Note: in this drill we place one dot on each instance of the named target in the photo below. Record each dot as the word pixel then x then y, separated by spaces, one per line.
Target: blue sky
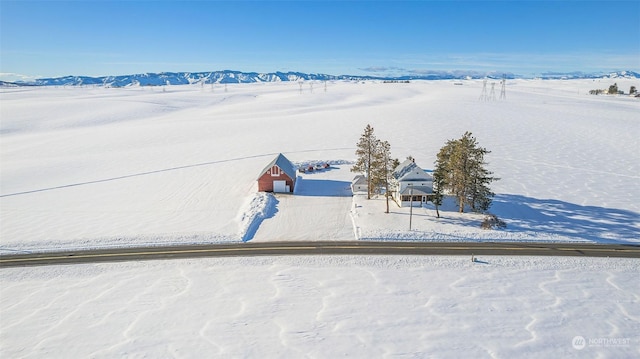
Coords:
pixel 96 38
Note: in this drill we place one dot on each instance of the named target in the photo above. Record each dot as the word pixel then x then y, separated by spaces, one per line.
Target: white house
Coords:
pixel 359 184
pixel 411 185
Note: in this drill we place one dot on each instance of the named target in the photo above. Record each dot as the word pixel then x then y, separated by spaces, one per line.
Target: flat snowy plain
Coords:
pixel 97 167
pixel 84 167
pixel 324 307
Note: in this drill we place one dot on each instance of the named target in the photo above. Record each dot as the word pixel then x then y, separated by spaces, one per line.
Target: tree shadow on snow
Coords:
pixel 598 224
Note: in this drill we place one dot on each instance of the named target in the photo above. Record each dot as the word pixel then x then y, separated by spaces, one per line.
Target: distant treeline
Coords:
pixel 396 81
pixel 613 90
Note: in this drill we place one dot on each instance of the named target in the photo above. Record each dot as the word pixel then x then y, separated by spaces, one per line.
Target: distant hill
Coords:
pixel 582 75
pixel 229 76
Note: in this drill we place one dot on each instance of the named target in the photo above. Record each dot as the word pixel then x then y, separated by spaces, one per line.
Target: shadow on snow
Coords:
pixel 322 188
pixel 269 210
pixel 552 216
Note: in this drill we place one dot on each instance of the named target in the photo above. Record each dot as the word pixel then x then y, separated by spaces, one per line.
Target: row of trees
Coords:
pixel 613 90
pixel 375 162
pixel 459 170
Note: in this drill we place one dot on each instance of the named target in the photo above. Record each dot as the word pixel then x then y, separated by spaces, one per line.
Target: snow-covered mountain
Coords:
pixel 624 74
pixel 183 78
pixel 229 76
pixel 582 75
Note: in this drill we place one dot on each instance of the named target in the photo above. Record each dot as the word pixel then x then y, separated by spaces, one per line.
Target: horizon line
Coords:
pixel 375 72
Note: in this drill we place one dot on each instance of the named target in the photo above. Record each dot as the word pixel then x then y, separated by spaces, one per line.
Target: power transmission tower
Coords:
pixel 483 95
pixel 503 90
pixel 493 91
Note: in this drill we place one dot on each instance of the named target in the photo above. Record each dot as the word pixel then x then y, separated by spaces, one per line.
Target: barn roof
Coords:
pixel 285 165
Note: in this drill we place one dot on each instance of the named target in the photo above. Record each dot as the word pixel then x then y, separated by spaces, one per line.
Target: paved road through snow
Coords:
pixel 321 248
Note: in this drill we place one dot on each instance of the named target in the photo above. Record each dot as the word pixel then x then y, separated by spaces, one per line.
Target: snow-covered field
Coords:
pixel 85 167
pixel 91 167
pixel 324 307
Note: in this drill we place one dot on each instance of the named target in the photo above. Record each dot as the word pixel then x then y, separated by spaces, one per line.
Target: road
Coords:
pixel 320 248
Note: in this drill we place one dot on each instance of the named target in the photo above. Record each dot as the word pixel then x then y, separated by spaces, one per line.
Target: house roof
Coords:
pixel 403 168
pixel 409 171
pixel 359 180
pixel 285 165
pixel 417 191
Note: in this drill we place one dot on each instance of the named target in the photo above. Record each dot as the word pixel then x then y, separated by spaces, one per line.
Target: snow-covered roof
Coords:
pixel 409 171
pixel 403 168
pixel 359 180
pixel 285 165
pixel 417 190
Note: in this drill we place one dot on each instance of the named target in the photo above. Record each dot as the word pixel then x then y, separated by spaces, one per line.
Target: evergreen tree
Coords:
pixel 479 195
pixel 439 175
pixel 366 152
pixel 460 170
pixel 382 171
pixel 613 89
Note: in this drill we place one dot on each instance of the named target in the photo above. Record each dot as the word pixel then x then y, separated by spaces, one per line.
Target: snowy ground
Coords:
pixel 102 167
pixel 324 307
pixel 91 167
pixel 320 208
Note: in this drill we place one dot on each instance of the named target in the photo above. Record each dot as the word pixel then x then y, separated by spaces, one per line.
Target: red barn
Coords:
pixel 278 176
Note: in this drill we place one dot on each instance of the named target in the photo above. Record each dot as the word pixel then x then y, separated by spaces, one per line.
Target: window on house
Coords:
pixel 275 171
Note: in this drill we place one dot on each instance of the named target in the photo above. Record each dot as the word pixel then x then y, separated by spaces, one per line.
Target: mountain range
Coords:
pixel 229 76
